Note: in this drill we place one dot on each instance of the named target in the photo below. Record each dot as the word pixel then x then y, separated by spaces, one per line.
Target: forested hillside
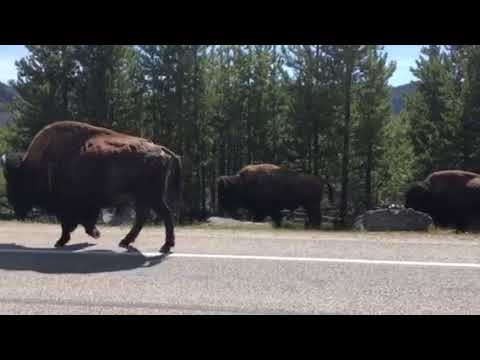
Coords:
pixel 398 94
pixel 7 94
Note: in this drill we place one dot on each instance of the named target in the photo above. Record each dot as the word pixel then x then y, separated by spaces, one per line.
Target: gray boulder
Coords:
pixel 220 221
pixel 393 219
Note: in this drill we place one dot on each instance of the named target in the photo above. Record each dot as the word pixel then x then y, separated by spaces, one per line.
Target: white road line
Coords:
pixel 327 260
pixel 247 257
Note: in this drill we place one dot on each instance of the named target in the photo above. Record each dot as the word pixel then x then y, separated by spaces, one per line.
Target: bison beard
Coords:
pixel 73 170
pixel 266 189
pixel 450 197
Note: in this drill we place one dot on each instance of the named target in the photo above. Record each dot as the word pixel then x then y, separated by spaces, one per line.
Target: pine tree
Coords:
pixel 470 116
pixel 45 83
pixel 433 113
pixel 373 110
pixel 315 106
pixel 101 68
pixel 396 163
pixel 349 58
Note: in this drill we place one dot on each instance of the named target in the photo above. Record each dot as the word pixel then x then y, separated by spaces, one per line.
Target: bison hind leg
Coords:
pixel 91 229
pixel 93 232
pixel 141 215
pixel 90 223
pixel 165 213
pixel 314 217
pixel 461 225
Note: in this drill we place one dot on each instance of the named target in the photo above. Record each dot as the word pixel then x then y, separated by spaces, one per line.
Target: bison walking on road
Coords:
pixel 450 197
pixel 73 170
pixel 266 189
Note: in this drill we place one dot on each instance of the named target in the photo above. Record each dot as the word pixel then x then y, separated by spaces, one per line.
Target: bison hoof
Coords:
pixel 125 243
pixel 166 248
pixel 95 233
pixel 60 243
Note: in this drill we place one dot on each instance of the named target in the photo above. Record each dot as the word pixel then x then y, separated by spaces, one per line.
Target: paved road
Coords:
pixel 238 271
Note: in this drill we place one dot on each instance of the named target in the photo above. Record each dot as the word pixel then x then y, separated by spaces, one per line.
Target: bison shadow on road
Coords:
pixel 69 260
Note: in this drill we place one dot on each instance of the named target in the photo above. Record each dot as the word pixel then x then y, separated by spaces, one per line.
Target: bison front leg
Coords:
pixel 90 224
pixel 461 224
pixel 93 231
pixel 141 214
pixel 67 228
pixel 164 211
pixel 259 217
pixel 314 217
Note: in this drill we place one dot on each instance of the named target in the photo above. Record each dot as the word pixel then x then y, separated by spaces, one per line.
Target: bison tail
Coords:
pixel 175 181
pixel 177 176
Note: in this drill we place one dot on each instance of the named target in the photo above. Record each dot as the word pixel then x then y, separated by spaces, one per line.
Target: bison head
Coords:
pixel 18 188
pixel 229 189
pixel 419 198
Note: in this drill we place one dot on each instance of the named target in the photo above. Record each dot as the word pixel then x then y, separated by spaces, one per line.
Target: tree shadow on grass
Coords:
pixel 69 260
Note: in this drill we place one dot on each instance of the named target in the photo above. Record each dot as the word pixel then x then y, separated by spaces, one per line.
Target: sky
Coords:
pixel 403 55
pixel 8 55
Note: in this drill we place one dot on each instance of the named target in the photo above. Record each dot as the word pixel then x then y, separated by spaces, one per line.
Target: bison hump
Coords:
pixel 264 169
pixel 110 145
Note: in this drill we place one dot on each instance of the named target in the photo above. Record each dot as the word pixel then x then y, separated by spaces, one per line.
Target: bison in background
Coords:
pixel 450 197
pixel 73 170
pixel 266 190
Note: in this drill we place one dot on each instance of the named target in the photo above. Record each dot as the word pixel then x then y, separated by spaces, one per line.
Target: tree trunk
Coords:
pixel 315 115
pixel 346 137
pixel 65 87
pixel 368 177
pixel 197 141
pixel 249 134
pixel 274 105
pixel 203 187
pixel 213 192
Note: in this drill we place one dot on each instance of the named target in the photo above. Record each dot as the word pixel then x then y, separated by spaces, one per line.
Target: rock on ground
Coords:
pixel 228 221
pixel 393 220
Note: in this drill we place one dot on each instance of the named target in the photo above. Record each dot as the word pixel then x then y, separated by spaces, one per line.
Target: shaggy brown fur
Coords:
pixel 450 197
pixel 74 169
pixel 266 189
pixel 58 141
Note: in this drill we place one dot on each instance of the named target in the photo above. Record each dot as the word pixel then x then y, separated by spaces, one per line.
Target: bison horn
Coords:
pixel 3 160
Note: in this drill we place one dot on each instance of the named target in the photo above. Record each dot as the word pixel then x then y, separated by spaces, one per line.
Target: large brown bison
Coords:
pixel 73 170
pixel 266 189
pixel 450 197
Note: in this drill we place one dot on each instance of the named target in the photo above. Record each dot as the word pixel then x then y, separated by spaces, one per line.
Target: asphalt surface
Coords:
pixel 251 270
